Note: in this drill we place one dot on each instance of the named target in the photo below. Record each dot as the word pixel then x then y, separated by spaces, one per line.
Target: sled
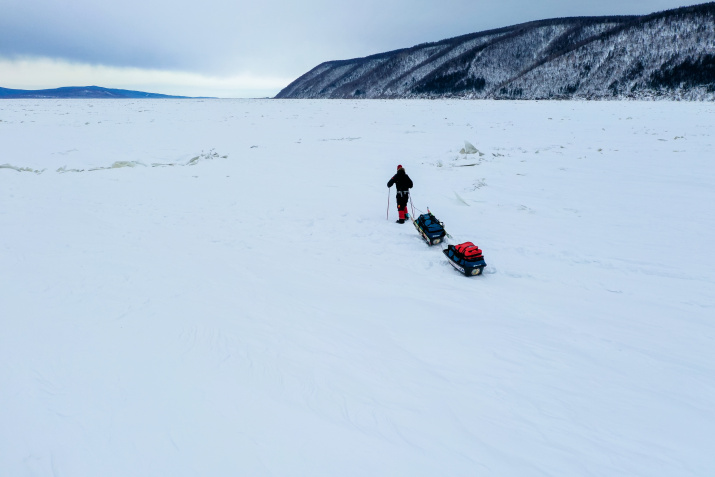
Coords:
pixel 430 229
pixel 466 258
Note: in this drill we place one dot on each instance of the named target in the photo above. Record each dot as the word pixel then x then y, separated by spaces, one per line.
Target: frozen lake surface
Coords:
pixel 211 287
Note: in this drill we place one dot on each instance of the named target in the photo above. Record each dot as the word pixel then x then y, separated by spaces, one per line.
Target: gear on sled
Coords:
pixel 466 258
pixel 430 229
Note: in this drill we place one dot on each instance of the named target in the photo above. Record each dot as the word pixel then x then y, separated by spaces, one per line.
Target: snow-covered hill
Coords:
pixel 212 288
pixel 84 92
pixel 668 54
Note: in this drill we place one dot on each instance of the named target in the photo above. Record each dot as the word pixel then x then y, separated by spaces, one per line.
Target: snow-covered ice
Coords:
pixel 211 287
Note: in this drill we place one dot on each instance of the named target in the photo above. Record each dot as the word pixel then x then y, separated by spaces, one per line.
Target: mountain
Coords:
pixel 668 54
pixel 78 92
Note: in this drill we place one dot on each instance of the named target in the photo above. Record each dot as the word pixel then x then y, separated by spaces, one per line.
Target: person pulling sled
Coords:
pixel 403 184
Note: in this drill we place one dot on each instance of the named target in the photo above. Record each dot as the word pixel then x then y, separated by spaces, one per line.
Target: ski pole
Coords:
pixel 388 203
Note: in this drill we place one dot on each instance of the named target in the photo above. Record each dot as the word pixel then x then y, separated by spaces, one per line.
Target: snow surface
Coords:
pixel 211 288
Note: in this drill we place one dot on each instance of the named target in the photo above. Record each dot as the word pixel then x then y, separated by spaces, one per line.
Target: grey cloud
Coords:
pixel 272 37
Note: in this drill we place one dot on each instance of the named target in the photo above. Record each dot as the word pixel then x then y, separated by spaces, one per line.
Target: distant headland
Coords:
pixel 81 92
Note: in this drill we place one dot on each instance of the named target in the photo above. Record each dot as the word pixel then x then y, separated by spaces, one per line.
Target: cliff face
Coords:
pixel 668 54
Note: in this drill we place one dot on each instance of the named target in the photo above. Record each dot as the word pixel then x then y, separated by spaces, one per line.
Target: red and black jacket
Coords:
pixel 401 180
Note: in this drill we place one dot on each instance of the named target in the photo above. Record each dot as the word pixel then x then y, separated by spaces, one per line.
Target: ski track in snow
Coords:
pixel 256 314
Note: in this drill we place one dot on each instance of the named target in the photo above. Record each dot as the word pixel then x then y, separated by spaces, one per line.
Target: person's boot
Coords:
pixel 400 221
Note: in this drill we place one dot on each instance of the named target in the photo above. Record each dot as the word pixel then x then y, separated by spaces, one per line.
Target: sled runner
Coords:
pixel 466 257
pixel 430 229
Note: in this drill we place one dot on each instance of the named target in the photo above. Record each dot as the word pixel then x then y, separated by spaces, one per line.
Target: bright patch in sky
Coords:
pixel 46 73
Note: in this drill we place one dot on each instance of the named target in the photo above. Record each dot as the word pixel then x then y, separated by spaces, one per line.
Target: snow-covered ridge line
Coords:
pixel 121 164
pixel 86 92
pixel 668 55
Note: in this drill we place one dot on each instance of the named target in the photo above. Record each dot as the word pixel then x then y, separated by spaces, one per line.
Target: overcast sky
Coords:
pixel 238 48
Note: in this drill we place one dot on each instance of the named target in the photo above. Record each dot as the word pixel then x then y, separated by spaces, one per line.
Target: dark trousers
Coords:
pixel 403 197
